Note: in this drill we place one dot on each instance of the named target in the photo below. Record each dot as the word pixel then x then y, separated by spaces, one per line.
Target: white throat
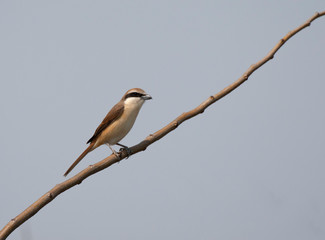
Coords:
pixel 133 104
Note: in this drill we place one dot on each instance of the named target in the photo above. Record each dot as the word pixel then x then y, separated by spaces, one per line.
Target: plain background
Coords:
pixel 251 167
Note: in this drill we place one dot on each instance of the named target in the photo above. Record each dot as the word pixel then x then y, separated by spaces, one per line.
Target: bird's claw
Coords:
pixel 118 155
pixel 128 151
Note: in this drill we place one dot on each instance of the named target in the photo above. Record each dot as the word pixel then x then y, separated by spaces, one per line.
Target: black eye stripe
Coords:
pixel 134 94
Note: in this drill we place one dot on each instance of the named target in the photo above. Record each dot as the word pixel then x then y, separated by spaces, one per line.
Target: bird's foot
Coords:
pixel 118 155
pixel 128 150
pixel 114 152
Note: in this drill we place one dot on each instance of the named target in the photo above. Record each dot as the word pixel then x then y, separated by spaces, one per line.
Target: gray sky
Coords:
pixel 251 167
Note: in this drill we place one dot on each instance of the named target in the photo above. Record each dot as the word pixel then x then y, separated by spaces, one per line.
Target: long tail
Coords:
pixel 89 149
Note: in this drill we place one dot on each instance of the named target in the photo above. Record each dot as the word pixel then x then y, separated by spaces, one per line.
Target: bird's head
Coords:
pixel 135 96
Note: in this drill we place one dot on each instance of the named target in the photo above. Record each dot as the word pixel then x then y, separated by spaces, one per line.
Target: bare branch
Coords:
pixel 92 169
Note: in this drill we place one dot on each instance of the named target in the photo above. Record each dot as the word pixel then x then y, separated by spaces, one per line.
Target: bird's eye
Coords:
pixel 134 94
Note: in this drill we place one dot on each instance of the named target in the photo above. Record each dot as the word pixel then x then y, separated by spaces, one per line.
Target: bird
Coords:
pixel 117 123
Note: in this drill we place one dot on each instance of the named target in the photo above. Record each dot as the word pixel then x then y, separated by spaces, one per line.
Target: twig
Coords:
pixel 92 169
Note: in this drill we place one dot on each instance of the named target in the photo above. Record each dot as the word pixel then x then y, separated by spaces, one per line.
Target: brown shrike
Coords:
pixel 117 123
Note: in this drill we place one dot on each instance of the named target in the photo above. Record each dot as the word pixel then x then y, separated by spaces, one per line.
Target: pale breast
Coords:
pixel 118 129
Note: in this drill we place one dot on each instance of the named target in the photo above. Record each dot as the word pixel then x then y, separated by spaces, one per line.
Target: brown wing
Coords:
pixel 111 116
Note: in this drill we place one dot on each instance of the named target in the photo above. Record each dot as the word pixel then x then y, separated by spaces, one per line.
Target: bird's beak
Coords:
pixel 146 97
